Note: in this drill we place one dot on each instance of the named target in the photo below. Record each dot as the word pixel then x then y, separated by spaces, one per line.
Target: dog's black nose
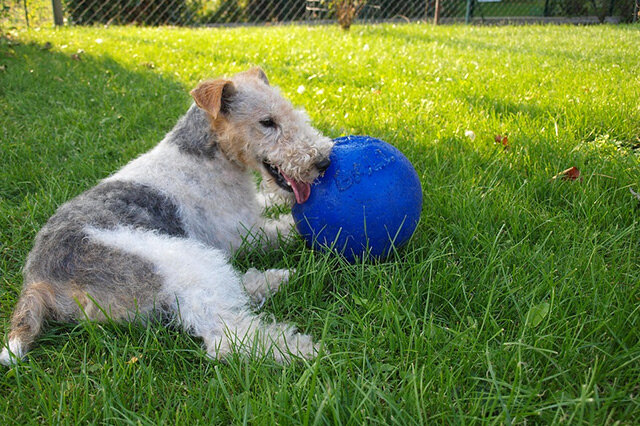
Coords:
pixel 323 164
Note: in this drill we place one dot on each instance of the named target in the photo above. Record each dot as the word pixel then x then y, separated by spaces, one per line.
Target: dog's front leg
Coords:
pixel 267 198
pixel 272 231
pixel 261 284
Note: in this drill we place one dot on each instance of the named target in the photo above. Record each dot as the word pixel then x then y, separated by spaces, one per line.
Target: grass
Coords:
pixel 516 301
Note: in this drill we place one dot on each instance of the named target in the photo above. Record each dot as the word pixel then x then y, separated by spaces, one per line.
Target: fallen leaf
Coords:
pixel 537 314
pixel 78 55
pixel 56 78
pixel 360 301
pixel 46 46
pixel 133 360
pixel 571 173
pixel 3 67
pixel 94 368
pixel 149 65
pixel 504 140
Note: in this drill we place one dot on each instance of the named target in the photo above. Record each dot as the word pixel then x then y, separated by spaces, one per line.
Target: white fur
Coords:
pixel 218 209
pixel 12 354
pixel 207 294
pixel 217 200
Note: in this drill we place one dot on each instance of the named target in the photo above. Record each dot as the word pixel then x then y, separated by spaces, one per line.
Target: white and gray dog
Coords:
pixel 157 234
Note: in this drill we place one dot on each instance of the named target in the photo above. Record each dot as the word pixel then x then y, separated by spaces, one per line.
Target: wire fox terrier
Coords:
pixel 157 234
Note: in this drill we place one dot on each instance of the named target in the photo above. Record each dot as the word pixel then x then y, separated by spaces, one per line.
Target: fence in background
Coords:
pixel 225 12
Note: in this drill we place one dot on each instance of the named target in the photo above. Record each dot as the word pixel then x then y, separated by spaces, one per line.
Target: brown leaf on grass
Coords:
pixel 78 55
pixel 133 360
pixel 502 139
pixel 56 78
pixel 149 65
pixel 572 173
pixel 46 46
pixel 3 67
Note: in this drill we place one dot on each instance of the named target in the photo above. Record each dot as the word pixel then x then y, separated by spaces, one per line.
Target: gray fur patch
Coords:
pixel 193 134
pixel 62 253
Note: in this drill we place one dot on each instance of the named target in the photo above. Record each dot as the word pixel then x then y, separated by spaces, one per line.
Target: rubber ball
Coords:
pixel 367 203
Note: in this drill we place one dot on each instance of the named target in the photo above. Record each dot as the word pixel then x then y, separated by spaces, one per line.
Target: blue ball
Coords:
pixel 366 203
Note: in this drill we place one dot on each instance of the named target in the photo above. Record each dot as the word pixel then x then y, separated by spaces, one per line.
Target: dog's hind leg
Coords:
pixel 245 332
pixel 207 295
pixel 32 308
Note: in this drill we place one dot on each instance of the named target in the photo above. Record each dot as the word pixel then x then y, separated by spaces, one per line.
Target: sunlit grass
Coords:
pixel 517 299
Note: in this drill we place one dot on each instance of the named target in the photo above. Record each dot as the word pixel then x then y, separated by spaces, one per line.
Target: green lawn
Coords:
pixel 516 301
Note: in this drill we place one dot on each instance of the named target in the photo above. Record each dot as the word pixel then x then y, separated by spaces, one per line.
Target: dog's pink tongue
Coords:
pixel 300 189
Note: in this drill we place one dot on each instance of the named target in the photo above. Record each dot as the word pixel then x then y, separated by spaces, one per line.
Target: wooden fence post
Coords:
pixel 436 13
pixel 469 12
pixel 26 12
pixel 58 18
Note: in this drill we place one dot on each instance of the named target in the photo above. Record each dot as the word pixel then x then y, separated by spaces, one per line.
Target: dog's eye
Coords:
pixel 268 122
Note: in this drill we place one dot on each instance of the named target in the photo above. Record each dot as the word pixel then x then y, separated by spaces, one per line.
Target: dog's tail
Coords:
pixel 34 306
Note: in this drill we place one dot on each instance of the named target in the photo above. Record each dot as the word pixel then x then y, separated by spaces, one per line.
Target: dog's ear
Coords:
pixel 259 74
pixel 214 96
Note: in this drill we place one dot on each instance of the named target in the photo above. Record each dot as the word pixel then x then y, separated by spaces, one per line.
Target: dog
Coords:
pixel 156 236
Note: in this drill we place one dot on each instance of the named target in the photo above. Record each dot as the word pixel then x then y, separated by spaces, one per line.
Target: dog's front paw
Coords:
pixel 260 285
pixel 276 278
pixel 267 200
pixel 286 225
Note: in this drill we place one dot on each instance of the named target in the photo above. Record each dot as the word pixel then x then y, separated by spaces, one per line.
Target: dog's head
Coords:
pixel 259 129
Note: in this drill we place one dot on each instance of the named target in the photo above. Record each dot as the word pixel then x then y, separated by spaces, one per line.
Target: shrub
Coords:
pixel 347 10
pixel 599 8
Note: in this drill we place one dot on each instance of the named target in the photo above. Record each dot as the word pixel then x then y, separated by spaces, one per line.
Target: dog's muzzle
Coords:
pixel 301 190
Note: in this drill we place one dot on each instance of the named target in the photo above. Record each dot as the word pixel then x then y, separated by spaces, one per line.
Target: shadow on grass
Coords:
pixel 76 117
pixel 67 121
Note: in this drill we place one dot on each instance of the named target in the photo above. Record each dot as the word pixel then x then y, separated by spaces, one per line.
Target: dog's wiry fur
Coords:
pixel 156 235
